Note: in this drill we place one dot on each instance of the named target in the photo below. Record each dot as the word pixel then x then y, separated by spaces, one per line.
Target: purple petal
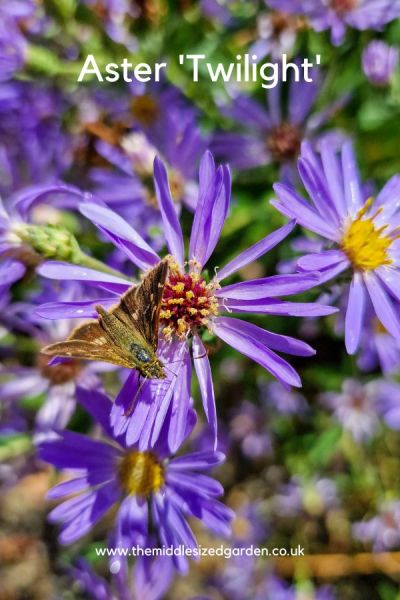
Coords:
pixel 65 271
pixel 73 310
pixel 204 376
pixel 277 285
pixel 385 311
pixel 255 251
pixel 97 404
pixel 391 279
pixel 197 461
pixel 352 185
pixel 172 228
pixel 245 342
pixel 322 260
pixel 10 271
pixel 355 313
pixel 269 306
pixel 121 234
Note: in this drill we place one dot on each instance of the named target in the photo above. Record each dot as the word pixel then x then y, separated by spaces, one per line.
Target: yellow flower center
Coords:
pixel 188 302
pixel 140 474
pixel 365 244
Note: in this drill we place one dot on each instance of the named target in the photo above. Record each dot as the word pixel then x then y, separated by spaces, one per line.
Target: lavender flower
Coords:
pixel 248 428
pixel 379 62
pixel 336 15
pixel 355 408
pixel 364 234
pixel 282 400
pixel 273 134
pixel 383 530
pixel 190 303
pixel 154 492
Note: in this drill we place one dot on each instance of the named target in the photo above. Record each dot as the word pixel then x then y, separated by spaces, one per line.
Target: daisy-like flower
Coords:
pixel 356 408
pixel 364 234
pixel 274 133
pixel 154 491
pixel 336 15
pixel 378 348
pixel 192 303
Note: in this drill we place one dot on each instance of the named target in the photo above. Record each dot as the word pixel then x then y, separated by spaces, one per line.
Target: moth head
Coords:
pixel 153 370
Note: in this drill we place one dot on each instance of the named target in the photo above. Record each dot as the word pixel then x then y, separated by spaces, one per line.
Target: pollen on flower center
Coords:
pixel 365 244
pixel 140 473
pixel 188 302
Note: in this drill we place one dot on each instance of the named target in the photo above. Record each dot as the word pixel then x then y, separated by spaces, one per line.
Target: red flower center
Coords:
pixel 284 142
pixel 188 302
pixel 61 373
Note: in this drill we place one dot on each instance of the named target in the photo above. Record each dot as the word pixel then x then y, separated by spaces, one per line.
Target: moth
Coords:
pixel 127 334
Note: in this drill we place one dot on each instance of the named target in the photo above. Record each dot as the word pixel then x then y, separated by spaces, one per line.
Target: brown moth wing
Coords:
pixel 141 304
pixel 86 350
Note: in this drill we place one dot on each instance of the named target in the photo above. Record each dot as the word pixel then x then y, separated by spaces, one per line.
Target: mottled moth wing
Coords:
pixel 142 304
pixel 88 342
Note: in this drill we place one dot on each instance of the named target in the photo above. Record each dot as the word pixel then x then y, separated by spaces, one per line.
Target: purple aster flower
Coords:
pixel 336 15
pixel 355 407
pixel 191 303
pixel 274 133
pixel 364 235
pixel 149 580
pixel 379 62
pixel 277 33
pixel 383 530
pixel 388 401
pixel 154 491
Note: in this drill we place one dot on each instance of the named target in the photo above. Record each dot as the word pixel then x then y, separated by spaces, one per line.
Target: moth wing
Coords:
pixel 88 341
pixel 86 350
pixel 140 305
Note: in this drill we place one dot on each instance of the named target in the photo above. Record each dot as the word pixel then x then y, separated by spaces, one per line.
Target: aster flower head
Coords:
pixel 356 408
pixel 379 62
pixel 274 133
pixel 154 491
pixel 362 234
pixel 336 15
pixel 378 348
pixel 191 302
pixel 277 32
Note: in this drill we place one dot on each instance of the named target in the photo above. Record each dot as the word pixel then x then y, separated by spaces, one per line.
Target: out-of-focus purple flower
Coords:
pixel 365 235
pixel 336 15
pixel 58 383
pixel 248 428
pixel 388 401
pixel 190 303
pixel 149 579
pixel 355 407
pixel 155 492
pixel 218 10
pixel 379 62
pixel 29 114
pixel 378 347
pixel 314 496
pixel 274 134
pixel 281 399
pixel 383 530
pixel 277 32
